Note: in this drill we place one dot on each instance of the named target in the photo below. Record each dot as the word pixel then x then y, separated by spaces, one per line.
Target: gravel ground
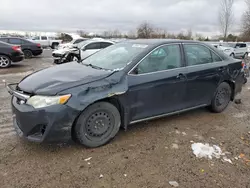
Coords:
pixel 148 154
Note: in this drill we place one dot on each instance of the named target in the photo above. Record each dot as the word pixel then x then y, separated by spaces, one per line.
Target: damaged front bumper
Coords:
pixel 49 124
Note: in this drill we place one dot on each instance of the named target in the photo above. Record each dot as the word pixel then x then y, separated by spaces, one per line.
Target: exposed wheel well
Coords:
pixel 5 55
pixel 55 43
pixel 112 100
pixel 232 85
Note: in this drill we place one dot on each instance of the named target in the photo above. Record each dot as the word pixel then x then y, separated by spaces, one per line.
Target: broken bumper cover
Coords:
pixel 49 124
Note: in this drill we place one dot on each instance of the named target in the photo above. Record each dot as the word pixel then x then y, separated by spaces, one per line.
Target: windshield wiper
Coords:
pixel 93 66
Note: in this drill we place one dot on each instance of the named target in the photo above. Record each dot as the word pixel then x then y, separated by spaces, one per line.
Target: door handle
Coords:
pixel 181 76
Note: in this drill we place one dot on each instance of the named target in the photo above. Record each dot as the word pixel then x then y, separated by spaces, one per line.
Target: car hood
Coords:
pixel 64 50
pixel 53 80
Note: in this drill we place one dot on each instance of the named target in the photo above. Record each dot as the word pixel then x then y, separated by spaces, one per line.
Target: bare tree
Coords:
pixel 145 30
pixel 131 34
pixel 226 16
pixel 189 34
pixel 81 33
pixel 246 22
pixel 116 33
pixel 159 33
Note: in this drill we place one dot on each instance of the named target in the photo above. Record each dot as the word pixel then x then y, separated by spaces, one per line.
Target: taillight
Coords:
pixel 16 48
pixel 38 45
pixel 243 64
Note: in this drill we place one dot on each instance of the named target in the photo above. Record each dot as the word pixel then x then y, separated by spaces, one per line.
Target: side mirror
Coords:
pixel 237 47
pixel 83 49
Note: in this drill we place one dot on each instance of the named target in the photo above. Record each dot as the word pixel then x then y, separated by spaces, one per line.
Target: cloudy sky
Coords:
pixel 125 15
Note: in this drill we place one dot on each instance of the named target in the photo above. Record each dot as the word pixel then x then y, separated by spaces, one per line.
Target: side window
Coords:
pixel 4 40
pixel 164 58
pixel 197 54
pixel 43 38
pixel 15 41
pixel 36 38
pixel 93 46
pixel 243 45
pixel 78 41
pixel 215 57
pixel 105 44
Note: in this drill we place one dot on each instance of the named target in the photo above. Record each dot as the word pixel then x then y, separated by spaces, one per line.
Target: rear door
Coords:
pixel 205 70
pixel 241 49
pixel 90 49
pixel 157 85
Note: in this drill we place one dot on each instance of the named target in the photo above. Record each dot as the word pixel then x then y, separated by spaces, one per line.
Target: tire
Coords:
pixel 97 125
pixel 5 61
pixel 27 54
pixel 221 98
pixel 245 80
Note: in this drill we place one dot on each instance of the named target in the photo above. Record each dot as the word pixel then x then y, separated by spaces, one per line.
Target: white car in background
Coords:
pixel 235 50
pixel 73 42
pixel 80 51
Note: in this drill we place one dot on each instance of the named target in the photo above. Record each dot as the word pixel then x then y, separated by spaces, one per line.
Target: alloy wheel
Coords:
pixel 4 61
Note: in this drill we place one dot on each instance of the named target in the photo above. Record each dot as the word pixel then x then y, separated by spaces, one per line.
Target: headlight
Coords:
pixel 38 101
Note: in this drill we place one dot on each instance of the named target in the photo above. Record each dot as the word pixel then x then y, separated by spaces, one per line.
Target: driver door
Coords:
pixel 157 85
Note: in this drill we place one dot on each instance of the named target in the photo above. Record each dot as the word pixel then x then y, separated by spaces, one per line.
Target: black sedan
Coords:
pixel 9 53
pixel 123 84
pixel 29 48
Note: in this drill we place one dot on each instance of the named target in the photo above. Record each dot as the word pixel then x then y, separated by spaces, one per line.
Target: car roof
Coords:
pixel 160 41
pixel 11 37
pixel 96 40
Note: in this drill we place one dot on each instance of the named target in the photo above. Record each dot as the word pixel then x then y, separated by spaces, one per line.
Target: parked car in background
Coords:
pixel 46 41
pixel 80 51
pixel 71 43
pixel 123 84
pixel 235 50
pixel 29 48
pixel 9 53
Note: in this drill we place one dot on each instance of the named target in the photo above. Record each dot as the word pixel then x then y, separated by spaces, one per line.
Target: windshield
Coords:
pixel 81 44
pixel 116 56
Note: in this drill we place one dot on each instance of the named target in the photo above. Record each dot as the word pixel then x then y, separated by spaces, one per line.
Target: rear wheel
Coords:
pixel 221 98
pixel 4 61
pixel 27 54
pixel 97 125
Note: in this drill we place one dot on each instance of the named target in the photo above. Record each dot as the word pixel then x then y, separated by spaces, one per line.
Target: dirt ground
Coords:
pixel 148 154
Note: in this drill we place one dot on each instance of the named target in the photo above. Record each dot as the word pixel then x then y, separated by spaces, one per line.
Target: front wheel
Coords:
pixel 97 125
pixel 221 98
